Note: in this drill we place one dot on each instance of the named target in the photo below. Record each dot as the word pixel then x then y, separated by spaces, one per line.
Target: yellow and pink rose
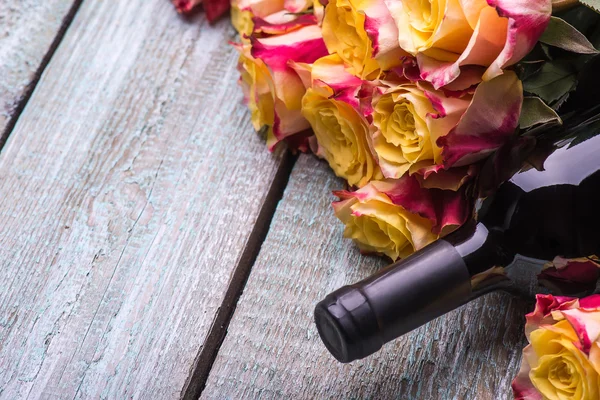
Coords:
pixel 418 129
pixel 562 360
pixel 446 35
pixel 396 217
pixel 273 90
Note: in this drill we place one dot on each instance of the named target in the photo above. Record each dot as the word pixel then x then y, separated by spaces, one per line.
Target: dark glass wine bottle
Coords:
pixel 538 213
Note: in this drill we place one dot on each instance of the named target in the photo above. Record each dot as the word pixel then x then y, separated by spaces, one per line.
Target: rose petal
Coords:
pixel 215 8
pixel 488 123
pixel 472 10
pixel 383 32
pixel 590 302
pixel 573 277
pixel 282 22
pixel 444 208
pixel 522 387
pixel 331 71
pixel 407 193
pixel 544 306
pixel 453 210
pixel 185 6
pixel 259 8
pixel 586 325
pixel 297 6
pixel 527 21
pixel 595 357
pixel 436 177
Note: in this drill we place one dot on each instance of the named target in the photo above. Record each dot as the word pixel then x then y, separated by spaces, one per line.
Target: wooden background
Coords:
pixel 136 207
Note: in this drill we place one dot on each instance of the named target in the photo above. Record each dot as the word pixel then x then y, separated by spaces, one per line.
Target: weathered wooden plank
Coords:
pixel 272 349
pixel 129 188
pixel 30 30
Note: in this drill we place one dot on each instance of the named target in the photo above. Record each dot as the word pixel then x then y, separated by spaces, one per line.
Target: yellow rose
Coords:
pixel 256 83
pixel 396 217
pixel 340 129
pixel 272 89
pixel 377 225
pixel 421 130
pixel 448 34
pixel 341 134
pixel 409 117
pixel 363 34
pixel 563 358
pixel 559 370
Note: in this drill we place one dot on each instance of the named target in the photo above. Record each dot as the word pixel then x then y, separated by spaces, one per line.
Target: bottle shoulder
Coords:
pixel 566 165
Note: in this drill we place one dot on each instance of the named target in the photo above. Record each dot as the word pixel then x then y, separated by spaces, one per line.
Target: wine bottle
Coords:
pixel 537 214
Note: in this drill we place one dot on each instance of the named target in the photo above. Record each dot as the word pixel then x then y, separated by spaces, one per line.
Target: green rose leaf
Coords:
pixel 563 35
pixel 553 81
pixel 535 112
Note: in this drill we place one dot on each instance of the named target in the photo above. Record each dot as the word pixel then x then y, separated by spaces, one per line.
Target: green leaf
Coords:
pixel 525 70
pixel 553 81
pixel 593 4
pixel 535 112
pixel 563 35
pixel 557 104
pixel 582 18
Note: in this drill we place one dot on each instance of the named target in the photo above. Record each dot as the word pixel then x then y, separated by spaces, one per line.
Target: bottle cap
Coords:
pixel 347 325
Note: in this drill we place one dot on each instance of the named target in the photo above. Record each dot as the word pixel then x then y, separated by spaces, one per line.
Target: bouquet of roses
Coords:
pixel 406 100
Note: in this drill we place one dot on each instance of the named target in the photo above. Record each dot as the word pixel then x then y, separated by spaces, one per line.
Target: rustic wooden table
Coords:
pixel 146 250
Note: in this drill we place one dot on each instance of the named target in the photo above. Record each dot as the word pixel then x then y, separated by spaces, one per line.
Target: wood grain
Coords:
pixel 273 350
pixel 30 30
pixel 129 189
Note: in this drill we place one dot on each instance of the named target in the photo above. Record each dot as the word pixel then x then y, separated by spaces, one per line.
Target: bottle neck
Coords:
pixel 481 248
pixel 355 321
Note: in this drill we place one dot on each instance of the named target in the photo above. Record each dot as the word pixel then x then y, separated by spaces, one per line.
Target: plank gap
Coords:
pixel 208 353
pixel 22 102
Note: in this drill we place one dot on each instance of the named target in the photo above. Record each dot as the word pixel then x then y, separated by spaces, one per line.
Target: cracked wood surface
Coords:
pixel 28 29
pixel 272 349
pixel 128 189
